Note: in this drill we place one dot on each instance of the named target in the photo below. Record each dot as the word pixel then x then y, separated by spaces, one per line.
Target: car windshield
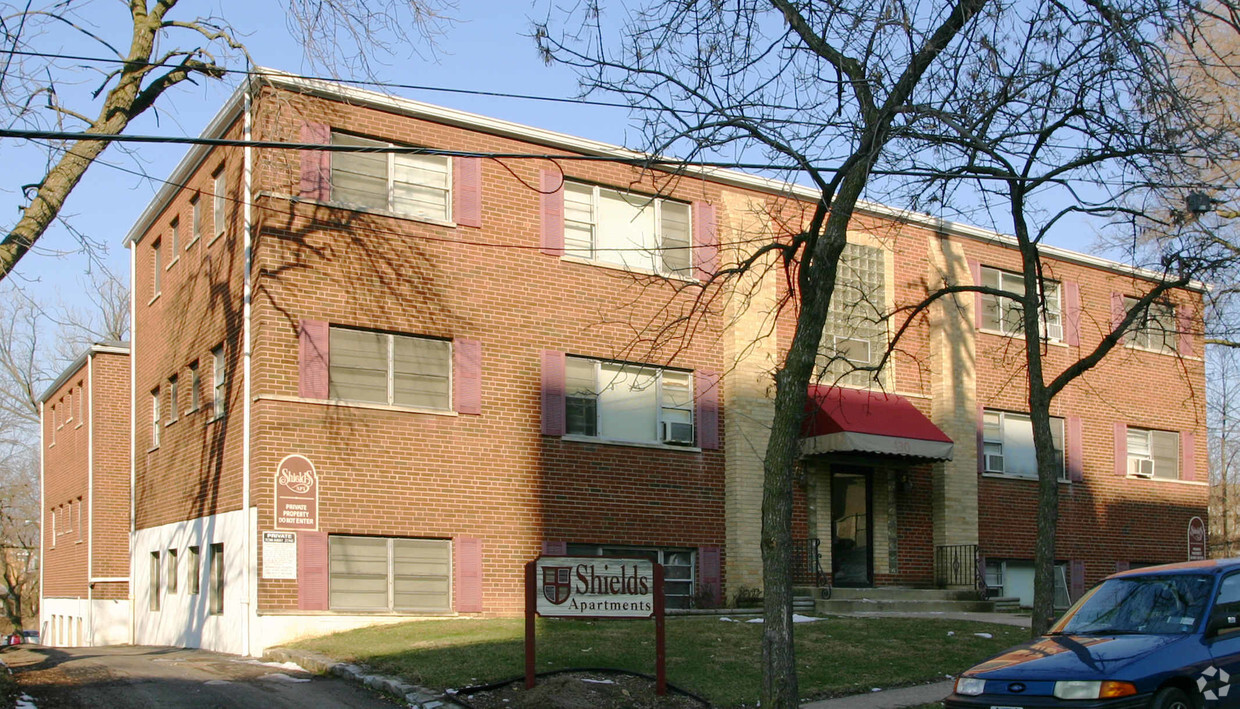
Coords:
pixel 1158 605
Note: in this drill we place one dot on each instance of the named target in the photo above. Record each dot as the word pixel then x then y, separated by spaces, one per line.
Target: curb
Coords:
pixel 417 697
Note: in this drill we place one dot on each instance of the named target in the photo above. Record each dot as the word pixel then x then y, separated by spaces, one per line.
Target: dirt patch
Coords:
pixel 574 690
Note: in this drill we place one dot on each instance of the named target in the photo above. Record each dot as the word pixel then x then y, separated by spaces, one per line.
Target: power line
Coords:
pixel 357 82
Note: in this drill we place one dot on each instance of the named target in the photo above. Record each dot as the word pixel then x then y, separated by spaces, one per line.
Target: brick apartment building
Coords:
pixel 371 385
pixel 85 491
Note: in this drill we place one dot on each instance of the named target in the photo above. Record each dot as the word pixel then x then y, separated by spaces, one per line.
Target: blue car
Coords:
pixel 1164 637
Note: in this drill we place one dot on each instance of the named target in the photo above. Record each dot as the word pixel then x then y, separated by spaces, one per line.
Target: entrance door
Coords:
pixel 851 537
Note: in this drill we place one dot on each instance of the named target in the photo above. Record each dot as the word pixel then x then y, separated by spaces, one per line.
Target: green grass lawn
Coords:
pixel 718 660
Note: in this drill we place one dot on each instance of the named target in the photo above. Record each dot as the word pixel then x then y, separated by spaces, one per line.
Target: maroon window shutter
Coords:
pixel 1184 325
pixel 554 548
pixel 1121 449
pixel 1118 311
pixel 313 359
pixel 467 376
pixel 552 188
pixel 975 269
pixel 981 440
pixel 312 571
pixel 710 573
pixel 553 393
pixel 1188 456
pixel 316 165
pixel 705 241
pixel 1122 566
pixel 706 385
pixel 1078 580
pixel 1072 313
pixel 467 576
pixel 1074 430
pixel 467 191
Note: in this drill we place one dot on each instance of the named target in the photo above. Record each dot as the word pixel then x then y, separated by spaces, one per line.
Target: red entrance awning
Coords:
pixel 840 420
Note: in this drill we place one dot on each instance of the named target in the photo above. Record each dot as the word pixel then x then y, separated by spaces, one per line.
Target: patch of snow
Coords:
pixel 726 619
pixel 597 681
pixel 951 633
pixel 984 635
pixel 876 689
pixel 798 618
pixel 754 620
pixel 25 701
pixel 216 682
pixel 285 678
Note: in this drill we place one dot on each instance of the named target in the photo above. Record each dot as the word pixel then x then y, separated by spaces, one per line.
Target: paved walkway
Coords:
pixel 888 698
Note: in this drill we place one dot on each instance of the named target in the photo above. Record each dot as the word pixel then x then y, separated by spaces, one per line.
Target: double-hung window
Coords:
pixel 1008 444
pixel 628 402
pixel 679 579
pixel 155 418
pixel 635 231
pixel 855 333
pixel 1004 315
pixel 408 185
pixel 219 385
pixel 219 203
pixel 1156 330
pixel 1153 454
pixel 157 268
pixel 393 575
pixel 383 368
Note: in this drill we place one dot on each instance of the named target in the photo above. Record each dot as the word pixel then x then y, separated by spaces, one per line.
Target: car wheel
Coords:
pixel 1171 698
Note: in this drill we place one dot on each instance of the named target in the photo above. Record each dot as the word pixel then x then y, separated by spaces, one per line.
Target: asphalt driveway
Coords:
pixel 129 677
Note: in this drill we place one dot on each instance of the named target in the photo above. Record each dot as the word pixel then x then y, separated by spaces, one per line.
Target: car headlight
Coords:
pixel 1083 689
pixel 970 686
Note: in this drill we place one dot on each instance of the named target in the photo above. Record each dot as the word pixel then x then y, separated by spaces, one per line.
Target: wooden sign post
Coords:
pixel 594 587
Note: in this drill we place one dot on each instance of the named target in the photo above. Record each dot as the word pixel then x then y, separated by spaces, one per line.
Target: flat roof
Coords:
pixel 232 108
pixel 107 347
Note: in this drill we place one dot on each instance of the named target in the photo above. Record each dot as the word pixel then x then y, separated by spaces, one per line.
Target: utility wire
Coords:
pixel 357 82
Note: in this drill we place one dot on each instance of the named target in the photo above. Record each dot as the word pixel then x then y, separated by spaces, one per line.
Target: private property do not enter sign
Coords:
pixel 297 495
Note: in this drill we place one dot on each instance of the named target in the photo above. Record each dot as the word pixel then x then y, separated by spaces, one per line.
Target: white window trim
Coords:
pixel 449 221
pixel 1046 284
pixel 1064 475
pixel 391 376
pixel 1132 333
pixel 1149 443
pixel 219 206
pixel 659 420
pixel 657 202
pixel 219 383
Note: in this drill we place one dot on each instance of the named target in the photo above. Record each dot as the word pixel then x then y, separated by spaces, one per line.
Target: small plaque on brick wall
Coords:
pixel 297 495
pixel 1196 539
pixel 279 555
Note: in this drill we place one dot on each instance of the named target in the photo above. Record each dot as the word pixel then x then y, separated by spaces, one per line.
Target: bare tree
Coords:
pixel 857 97
pixel 162 51
pixel 19 528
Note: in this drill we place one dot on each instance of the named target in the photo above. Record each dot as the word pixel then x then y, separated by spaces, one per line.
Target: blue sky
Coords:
pixel 487 48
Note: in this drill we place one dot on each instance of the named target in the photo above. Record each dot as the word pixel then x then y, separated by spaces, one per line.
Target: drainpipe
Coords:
pixel 90 501
pixel 133 422
pixel 42 526
pixel 249 598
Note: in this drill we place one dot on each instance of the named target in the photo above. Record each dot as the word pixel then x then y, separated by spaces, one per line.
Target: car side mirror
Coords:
pixel 1222 623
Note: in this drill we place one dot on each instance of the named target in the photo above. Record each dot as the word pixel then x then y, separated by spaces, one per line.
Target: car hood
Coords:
pixel 1073 656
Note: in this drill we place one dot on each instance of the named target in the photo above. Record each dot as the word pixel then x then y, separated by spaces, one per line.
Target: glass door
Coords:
pixel 851 537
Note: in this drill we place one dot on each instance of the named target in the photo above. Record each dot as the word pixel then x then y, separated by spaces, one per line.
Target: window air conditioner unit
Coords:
pixel 678 434
pixel 1141 467
pixel 994 463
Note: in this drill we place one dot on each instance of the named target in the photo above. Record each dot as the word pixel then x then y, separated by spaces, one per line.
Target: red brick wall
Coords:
pixel 110 531
pixel 196 470
pixel 1105 518
pixel 65 472
pixel 492 476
